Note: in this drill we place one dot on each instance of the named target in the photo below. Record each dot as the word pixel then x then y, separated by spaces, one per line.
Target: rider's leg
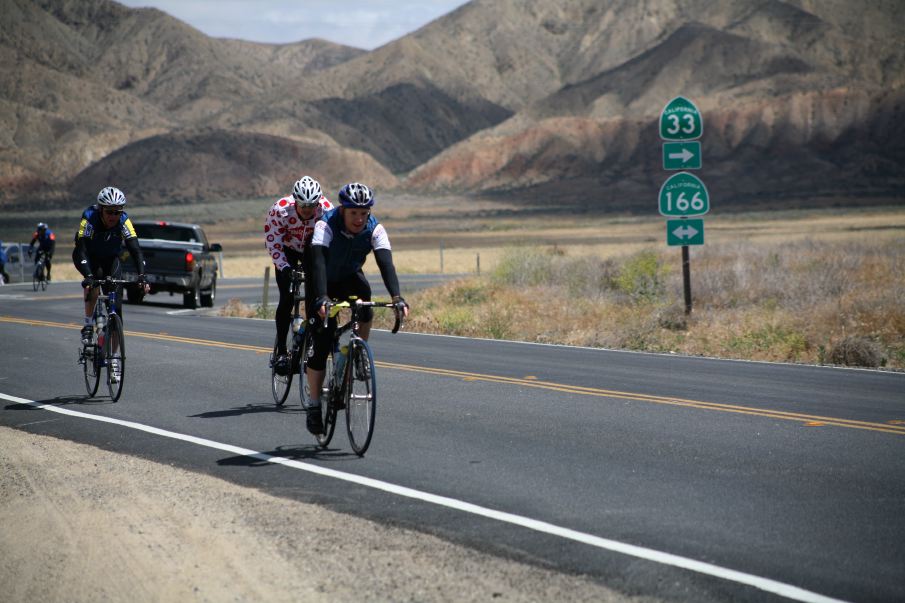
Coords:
pixel 48 263
pixel 90 301
pixel 315 384
pixel 317 362
pixel 284 309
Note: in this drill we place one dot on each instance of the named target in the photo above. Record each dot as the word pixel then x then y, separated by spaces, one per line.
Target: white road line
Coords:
pixel 772 586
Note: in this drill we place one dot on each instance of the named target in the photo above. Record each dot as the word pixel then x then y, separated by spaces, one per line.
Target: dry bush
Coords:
pixel 235 308
pixel 857 351
pixel 787 302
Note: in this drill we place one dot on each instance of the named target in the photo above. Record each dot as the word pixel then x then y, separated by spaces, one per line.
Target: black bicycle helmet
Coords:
pixel 356 194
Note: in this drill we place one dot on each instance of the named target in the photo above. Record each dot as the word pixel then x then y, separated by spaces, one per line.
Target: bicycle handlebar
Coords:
pixel 333 308
pixel 110 281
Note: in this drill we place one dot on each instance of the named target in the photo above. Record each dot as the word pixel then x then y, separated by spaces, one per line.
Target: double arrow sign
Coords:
pixel 685 231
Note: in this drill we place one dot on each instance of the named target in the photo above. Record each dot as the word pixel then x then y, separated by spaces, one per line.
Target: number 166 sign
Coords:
pixel 684 195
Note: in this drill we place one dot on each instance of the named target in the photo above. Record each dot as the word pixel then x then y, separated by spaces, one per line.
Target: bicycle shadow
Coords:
pixel 299 452
pixel 246 410
pixel 82 400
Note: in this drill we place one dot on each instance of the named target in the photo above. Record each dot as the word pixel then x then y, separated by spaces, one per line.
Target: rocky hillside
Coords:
pixel 539 99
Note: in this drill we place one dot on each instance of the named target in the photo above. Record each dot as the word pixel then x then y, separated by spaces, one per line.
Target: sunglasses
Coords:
pixel 113 212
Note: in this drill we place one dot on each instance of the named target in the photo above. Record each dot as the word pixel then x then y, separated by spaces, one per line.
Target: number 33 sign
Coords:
pixel 680 120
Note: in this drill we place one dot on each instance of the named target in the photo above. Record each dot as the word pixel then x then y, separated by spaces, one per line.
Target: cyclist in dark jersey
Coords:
pixel 105 229
pixel 47 242
pixel 341 243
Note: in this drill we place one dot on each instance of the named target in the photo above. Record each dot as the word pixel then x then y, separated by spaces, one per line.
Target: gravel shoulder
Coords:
pixel 78 523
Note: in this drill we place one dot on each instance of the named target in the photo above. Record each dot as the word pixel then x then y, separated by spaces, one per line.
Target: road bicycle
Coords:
pixel 350 380
pixel 39 276
pixel 107 347
pixel 297 345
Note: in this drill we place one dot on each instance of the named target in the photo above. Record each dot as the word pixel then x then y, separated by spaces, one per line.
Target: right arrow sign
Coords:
pixel 682 155
pixel 686 231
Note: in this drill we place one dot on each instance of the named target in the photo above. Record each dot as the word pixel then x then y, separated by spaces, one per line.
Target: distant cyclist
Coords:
pixel 47 242
pixel 105 229
pixel 287 233
pixel 340 246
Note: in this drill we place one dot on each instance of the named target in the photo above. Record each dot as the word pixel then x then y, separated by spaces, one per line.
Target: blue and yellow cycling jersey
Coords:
pixel 100 241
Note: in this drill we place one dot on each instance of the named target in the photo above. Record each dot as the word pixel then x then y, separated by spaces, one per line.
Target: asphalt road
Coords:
pixel 690 479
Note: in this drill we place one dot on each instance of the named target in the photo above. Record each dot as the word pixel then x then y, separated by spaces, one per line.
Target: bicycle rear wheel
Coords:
pixel 328 409
pixel 360 396
pixel 91 366
pixel 279 384
pixel 115 353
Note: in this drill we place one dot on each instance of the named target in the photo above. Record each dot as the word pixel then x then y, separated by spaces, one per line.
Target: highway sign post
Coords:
pixel 683 194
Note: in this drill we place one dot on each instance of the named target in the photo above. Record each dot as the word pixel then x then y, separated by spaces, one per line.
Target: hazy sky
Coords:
pixel 364 24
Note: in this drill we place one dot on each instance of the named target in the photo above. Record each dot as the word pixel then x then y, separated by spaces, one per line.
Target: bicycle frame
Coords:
pixel 354 387
pixel 109 349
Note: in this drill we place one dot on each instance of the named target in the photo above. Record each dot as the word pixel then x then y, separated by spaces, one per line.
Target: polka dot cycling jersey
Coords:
pixel 284 228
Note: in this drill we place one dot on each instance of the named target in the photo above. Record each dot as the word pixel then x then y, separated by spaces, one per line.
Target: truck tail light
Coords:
pixel 189 261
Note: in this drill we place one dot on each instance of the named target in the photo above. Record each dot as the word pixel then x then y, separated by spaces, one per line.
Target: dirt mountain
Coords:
pixel 801 98
pixel 795 106
pixel 189 166
pixel 82 78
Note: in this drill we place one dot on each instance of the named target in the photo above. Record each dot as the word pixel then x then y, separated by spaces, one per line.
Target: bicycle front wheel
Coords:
pixel 91 366
pixel 115 353
pixel 360 396
pixel 35 279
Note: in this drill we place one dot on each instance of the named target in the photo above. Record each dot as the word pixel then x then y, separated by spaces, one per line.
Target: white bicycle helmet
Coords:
pixel 111 197
pixel 307 192
pixel 356 194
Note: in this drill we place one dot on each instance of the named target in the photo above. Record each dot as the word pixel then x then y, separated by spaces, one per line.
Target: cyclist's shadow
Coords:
pixel 247 409
pixel 59 401
pixel 82 399
pixel 297 452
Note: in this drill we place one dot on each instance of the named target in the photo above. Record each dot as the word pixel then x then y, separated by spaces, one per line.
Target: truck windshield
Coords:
pixel 166 233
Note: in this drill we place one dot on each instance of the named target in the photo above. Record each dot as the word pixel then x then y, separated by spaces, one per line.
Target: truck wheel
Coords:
pixel 192 297
pixel 208 297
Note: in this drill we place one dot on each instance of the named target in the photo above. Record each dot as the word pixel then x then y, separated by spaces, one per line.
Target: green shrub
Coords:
pixel 777 340
pixel 642 276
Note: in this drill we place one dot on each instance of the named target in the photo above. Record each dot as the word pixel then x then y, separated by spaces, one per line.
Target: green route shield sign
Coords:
pixel 681 120
pixel 682 155
pixel 685 231
pixel 684 194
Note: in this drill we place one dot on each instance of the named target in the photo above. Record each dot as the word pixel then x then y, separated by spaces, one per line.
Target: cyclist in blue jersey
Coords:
pixel 105 229
pixel 47 243
pixel 341 243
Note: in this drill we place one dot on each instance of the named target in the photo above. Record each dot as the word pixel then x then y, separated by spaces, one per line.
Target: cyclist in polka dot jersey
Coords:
pixel 287 233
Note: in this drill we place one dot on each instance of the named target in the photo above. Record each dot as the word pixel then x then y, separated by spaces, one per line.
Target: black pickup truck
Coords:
pixel 178 259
